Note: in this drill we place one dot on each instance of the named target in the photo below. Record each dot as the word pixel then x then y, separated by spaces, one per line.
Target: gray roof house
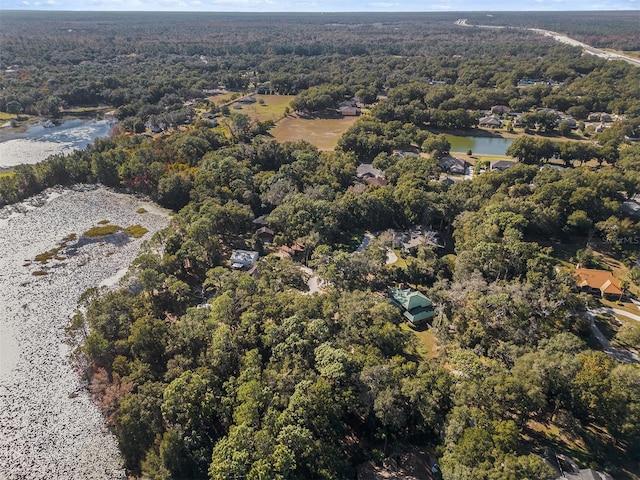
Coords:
pixel 501 165
pixel 489 121
pixel 244 258
pixel 453 164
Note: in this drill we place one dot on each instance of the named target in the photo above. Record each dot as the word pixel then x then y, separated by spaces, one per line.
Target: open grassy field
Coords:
pixel 480 158
pixel 267 107
pixel 223 98
pixel 628 53
pixel 321 132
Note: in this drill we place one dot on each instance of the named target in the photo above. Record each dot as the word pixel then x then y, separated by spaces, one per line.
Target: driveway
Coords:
pixel 365 242
pixel 315 283
pixel 616 311
pixel 622 356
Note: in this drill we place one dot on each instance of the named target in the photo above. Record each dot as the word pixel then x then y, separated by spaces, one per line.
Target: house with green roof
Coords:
pixel 415 306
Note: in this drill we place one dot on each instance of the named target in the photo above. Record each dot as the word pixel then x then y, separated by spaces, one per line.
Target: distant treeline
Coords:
pixel 146 63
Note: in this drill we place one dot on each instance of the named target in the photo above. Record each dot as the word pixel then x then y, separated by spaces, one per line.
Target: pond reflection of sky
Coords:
pixel 78 133
pixel 39 142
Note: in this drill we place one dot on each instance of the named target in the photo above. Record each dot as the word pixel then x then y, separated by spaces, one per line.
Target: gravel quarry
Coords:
pixel 49 428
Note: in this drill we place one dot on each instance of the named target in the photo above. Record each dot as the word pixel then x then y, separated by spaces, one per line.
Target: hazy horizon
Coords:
pixel 314 6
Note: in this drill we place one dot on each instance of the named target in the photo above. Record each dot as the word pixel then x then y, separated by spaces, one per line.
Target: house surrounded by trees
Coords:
pixel 416 307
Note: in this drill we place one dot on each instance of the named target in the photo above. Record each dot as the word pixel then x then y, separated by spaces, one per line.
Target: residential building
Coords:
pixel 490 121
pixel 453 164
pixel 598 281
pixel 244 258
pixel 265 234
pixel 501 165
pixel 500 109
pixel 415 306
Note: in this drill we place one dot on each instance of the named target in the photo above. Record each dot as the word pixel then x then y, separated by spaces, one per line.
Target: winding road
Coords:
pixel 559 37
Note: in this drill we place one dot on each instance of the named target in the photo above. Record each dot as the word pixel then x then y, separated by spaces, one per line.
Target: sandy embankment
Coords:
pixel 44 433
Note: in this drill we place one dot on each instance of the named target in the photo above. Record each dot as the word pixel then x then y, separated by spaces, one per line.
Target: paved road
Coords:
pixel 586 48
pixel 559 37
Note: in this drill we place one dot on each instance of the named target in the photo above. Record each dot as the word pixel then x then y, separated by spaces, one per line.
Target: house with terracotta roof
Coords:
pixel 415 306
pixel 598 281
pixel 379 181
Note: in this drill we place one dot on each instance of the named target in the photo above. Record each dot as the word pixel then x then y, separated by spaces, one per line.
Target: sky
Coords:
pixel 322 5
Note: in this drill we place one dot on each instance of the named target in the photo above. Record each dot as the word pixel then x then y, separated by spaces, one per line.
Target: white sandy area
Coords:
pixel 23 151
pixel 46 433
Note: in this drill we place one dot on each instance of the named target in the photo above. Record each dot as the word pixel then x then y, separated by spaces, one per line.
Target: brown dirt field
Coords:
pixel 321 132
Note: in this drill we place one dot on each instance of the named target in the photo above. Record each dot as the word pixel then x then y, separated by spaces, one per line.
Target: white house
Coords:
pixel 244 258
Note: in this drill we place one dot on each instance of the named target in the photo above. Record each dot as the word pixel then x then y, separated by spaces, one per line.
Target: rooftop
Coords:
pixel 602 280
pixel 410 299
pixel 367 168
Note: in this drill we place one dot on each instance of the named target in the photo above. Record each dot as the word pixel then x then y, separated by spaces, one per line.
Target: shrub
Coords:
pixel 101 231
pixel 135 231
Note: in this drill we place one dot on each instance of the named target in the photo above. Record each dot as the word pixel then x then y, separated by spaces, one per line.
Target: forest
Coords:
pixel 207 371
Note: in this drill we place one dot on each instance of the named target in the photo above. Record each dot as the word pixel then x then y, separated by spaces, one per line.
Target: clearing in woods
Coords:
pixel 321 132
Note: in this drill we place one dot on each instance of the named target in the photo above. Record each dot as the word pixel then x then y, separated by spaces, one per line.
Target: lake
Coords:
pixel 479 145
pixel 39 142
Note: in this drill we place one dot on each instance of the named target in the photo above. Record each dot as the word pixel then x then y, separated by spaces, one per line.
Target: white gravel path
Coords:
pixel 45 434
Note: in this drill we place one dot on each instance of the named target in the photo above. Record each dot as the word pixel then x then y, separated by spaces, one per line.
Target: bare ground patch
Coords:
pixel 321 132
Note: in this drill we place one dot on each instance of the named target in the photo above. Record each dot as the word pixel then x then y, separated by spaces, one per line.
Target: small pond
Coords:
pixel 479 145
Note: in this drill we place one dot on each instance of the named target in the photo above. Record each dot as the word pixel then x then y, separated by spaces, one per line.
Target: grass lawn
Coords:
pixel 4 116
pixel 223 98
pixel 479 157
pixel 73 112
pixel 427 342
pixel 321 132
pixel 272 108
pixel 624 306
pixel 628 53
